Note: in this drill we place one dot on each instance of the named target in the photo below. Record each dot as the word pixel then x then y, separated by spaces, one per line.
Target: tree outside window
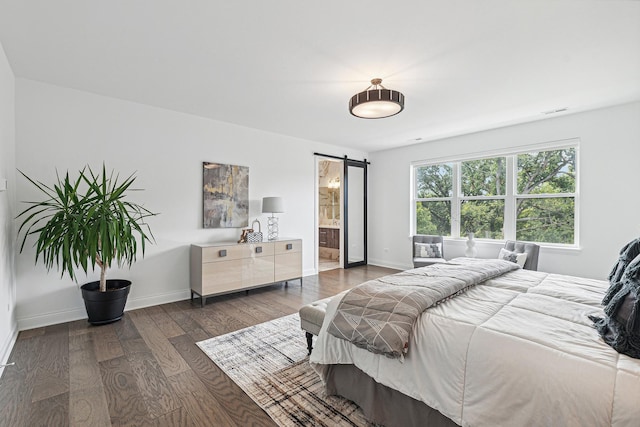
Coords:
pixel 545 200
pixel 434 187
pixel 535 202
pixel 482 198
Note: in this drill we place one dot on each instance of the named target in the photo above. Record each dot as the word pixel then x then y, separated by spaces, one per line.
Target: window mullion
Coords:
pixel 455 201
pixel 510 201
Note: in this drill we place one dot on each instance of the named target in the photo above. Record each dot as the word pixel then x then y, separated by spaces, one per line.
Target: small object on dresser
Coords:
pixel 255 236
pixel 245 233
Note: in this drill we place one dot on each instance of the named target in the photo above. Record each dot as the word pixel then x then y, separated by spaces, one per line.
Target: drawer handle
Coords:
pixel 223 253
pixel 259 250
pixel 289 246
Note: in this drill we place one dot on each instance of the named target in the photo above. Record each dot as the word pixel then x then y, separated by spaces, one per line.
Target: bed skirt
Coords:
pixel 381 404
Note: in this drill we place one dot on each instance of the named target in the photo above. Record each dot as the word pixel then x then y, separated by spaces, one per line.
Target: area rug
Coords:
pixel 269 362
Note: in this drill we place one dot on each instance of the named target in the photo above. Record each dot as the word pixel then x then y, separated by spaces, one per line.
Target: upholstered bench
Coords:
pixel 311 318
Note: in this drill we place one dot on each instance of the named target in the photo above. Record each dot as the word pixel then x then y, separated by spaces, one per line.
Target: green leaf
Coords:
pixel 85 221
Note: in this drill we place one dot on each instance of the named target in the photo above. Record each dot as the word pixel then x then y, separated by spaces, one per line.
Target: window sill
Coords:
pixel 547 247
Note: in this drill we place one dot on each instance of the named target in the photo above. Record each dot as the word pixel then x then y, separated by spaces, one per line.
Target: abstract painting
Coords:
pixel 225 195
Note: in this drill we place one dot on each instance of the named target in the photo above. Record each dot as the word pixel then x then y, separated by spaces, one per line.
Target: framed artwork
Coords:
pixel 225 195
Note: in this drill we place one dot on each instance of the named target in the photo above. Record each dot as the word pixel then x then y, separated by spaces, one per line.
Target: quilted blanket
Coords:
pixel 379 315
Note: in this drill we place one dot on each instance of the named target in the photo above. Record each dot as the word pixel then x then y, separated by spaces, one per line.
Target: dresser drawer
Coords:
pixel 239 251
pixel 287 246
pixel 288 266
pixel 225 276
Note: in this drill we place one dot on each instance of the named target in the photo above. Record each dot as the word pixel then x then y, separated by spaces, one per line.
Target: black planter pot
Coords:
pixel 105 307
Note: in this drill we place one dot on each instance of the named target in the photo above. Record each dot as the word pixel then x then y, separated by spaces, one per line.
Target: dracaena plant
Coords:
pixel 86 222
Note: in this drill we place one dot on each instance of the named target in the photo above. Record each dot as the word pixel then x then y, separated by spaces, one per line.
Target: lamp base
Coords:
pixel 272 228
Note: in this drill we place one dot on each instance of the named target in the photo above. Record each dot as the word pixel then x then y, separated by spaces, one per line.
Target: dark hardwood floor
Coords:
pixel 146 370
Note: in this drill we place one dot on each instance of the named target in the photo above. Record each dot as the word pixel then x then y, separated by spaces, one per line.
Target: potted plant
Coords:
pixel 87 222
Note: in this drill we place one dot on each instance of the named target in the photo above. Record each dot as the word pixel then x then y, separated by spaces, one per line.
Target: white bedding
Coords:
pixel 517 350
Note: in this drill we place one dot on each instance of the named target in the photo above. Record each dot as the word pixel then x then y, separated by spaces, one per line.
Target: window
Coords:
pixel 434 187
pixel 545 196
pixel 482 197
pixel 525 196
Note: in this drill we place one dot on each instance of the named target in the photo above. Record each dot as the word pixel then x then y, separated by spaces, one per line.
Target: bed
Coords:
pixel 517 349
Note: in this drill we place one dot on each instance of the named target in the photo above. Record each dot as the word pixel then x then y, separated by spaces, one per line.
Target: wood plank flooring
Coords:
pixel 146 370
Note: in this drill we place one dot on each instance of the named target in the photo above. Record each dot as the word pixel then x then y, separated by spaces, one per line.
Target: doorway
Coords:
pixel 341 214
pixel 330 178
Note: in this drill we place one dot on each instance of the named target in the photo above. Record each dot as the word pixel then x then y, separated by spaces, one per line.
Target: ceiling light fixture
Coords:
pixel 376 102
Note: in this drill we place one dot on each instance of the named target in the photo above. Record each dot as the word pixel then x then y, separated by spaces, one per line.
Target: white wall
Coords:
pixel 609 200
pixel 8 324
pixel 66 129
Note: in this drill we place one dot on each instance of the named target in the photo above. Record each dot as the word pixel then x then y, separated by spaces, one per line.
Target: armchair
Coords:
pixel 531 249
pixel 427 250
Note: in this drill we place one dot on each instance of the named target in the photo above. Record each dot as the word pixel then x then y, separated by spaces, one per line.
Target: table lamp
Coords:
pixel 272 205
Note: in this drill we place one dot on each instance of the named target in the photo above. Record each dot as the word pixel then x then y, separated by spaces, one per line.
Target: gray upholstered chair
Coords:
pixel 531 249
pixel 419 261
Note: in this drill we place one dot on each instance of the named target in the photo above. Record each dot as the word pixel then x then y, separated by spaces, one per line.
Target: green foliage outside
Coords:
pixel 434 218
pixel 540 219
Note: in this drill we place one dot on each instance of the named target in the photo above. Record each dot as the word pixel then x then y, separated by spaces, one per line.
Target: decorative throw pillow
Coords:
pixel 428 250
pixel 515 257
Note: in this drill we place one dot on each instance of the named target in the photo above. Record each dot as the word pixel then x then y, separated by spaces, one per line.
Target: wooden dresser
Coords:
pixel 230 267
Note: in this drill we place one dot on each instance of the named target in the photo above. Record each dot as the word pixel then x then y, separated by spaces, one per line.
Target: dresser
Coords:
pixel 230 267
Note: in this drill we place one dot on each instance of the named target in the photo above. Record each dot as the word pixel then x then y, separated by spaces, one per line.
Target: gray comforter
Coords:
pixel 379 315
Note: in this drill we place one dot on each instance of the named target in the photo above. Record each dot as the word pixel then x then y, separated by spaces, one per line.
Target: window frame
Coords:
pixel 511 195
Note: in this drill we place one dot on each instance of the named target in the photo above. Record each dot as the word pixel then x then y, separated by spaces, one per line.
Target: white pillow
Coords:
pixel 428 250
pixel 518 258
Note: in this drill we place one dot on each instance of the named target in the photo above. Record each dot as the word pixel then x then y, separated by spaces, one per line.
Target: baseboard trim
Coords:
pixel 148 301
pixel 7 346
pixel 310 272
pixel 51 318
pixel 381 263
pixel 54 318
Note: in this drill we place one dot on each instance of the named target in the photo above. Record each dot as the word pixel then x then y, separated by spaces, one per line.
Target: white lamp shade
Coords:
pixel 272 205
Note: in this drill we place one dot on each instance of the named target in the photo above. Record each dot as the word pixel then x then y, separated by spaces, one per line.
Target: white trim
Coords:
pixel 553 247
pixel 62 316
pixel 135 303
pixel 316 214
pixel 509 225
pixel 51 318
pixel 544 196
pixel 412 197
pixel 521 149
pixel 7 346
pixel 309 272
pixel 386 264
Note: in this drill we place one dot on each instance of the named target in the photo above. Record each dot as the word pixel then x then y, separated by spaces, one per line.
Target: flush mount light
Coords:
pixel 376 102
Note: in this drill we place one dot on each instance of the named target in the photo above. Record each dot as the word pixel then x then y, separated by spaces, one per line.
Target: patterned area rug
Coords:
pixel 269 362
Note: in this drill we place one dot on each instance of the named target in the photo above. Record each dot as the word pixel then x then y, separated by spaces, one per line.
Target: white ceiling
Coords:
pixel 290 66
